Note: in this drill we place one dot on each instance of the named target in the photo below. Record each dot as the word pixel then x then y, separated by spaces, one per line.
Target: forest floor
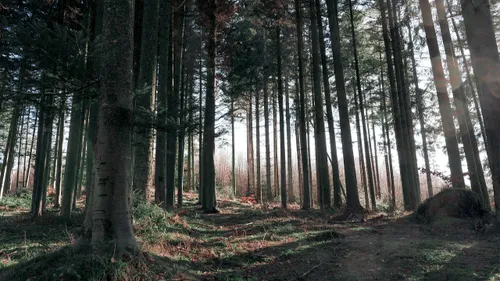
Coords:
pixel 244 242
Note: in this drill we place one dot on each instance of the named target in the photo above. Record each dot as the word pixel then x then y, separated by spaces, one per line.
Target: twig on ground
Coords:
pixel 310 270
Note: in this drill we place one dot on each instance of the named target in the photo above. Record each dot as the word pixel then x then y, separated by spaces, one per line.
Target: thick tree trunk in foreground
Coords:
pixel 111 229
pixel 486 64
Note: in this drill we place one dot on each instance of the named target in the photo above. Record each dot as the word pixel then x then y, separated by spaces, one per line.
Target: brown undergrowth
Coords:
pixel 247 242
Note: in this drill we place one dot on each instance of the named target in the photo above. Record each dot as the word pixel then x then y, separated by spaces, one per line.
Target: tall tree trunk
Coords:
pixel 322 172
pixel 362 110
pixel 345 129
pixel 25 167
pixel 411 186
pixel 476 173
pixel 111 230
pixel 282 120
pixel 420 111
pixel 269 194
pixel 375 153
pixel 360 151
pixel 276 188
pixel 337 185
pixel 290 193
pixel 486 64
pixel 19 150
pixel 250 157
pixel 233 152
pixel 42 149
pixel 8 156
pixel 163 91
pixel 173 104
pixel 473 93
pixel 209 204
pixel 200 124
pixel 444 102
pixel 397 116
pixel 182 119
pixel 306 200
pixel 28 172
pixel 258 188
pixel 146 89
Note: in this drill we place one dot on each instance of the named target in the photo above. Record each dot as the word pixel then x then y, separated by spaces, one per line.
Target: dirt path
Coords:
pixel 297 245
pixel 244 242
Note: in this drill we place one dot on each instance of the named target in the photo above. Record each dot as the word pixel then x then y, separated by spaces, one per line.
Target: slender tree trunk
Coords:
pixel 28 172
pixel 306 199
pixel 486 64
pixel 233 153
pixel 258 191
pixel 443 99
pixel 25 167
pixel 269 194
pixel 19 151
pixel 337 185
pixel 282 121
pixel 360 151
pixel 399 135
pixel 9 153
pixel 173 104
pixel 182 121
pixel 420 111
pixel 163 91
pixel 144 103
pixel 476 173
pixel 473 93
pixel 291 195
pixel 276 188
pixel 323 179
pixel 361 109
pixel 209 204
pixel 73 150
pixel 250 157
pixel 345 130
pixel 375 153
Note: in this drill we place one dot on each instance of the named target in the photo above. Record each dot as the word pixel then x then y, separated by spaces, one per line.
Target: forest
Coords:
pixel 249 140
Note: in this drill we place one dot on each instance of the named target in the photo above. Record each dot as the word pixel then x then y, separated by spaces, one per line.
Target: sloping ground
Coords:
pixel 246 243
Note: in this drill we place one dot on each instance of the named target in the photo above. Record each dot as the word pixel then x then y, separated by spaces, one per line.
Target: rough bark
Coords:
pixel 111 217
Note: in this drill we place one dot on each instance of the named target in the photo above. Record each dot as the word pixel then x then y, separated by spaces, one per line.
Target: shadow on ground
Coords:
pixel 246 243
